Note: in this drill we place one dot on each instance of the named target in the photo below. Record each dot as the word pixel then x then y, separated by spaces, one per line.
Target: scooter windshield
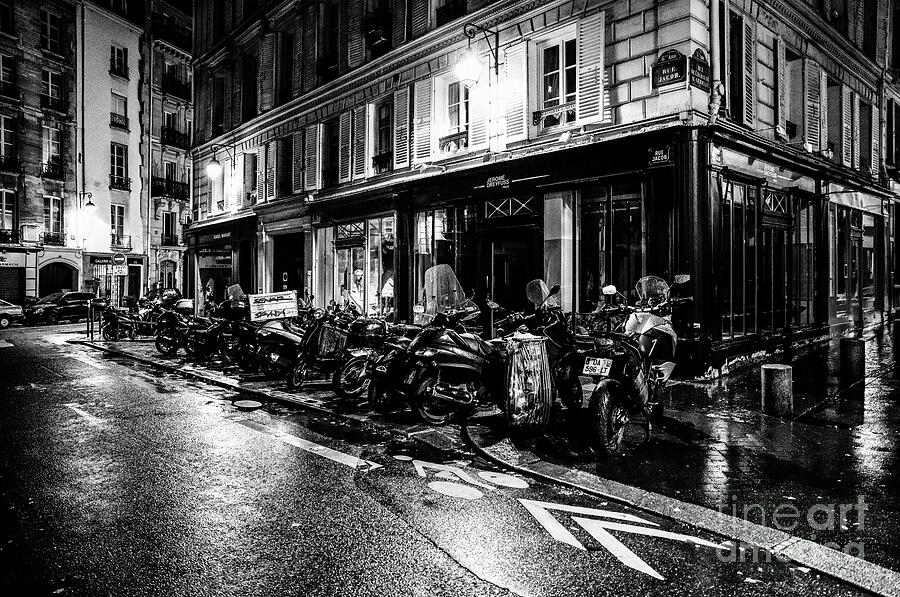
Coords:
pixel 652 289
pixel 537 292
pixel 443 292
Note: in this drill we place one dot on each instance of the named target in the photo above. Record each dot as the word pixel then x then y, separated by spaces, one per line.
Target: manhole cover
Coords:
pixel 247 404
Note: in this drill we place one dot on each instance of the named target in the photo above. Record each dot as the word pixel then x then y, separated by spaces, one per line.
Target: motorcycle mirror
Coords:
pixel 682 278
pixel 610 290
pixel 492 305
pixel 554 289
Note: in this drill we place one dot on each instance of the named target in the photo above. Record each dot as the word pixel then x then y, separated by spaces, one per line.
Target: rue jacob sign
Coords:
pixel 670 68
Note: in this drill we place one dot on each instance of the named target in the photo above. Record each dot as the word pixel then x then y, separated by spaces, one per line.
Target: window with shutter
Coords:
pixel 299 161
pixel 401 128
pixel 360 139
pixel 591 44
pixel 813 90
pixel 250 178
pixel 865 137
pixel 266 73
pixel 737 56
pixel 876 142
pixel 420 17
pixel 270 170
pixel 383 131
pixel 345 124
pixel 793 94
pixel 311 156
pixel 422 100
pixel 331 147
pixel 356 47
pixel 452 109
pixel 832 114
pixel 847 126
pixel 310 27
pixel 749 91
pixel 516 92
pixel 398 22
pixel 855 126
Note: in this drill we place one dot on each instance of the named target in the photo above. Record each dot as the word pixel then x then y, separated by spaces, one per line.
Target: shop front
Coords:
pixel 15 267
pixel 222 255
pixel 114 277
pixel 284 242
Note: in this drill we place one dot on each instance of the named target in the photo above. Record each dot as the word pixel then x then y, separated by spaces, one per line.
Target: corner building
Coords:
pixel 602 141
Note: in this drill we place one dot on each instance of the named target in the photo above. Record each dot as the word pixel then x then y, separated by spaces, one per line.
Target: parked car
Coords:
pixel 59 306
pixel 9 313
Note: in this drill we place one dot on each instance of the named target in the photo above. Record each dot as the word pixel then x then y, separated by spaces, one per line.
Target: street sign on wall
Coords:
pixel 273 305
pixel 118 270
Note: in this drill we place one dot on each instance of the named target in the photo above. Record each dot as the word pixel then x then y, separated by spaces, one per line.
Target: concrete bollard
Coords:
pixel 777 390
pixel 853 359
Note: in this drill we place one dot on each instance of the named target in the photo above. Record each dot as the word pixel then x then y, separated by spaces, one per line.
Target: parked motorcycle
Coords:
pixel 368 340
pixel 197 336
pixel 118 323
pixel 445 371
pixel 325 339
pixel 634 362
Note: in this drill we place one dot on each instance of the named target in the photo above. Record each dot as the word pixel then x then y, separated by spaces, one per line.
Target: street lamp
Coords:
pixel 468 66
pixel 89 207
pixel 214 169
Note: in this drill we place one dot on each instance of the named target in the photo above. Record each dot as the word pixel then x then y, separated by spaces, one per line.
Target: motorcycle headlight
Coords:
pixel 603 342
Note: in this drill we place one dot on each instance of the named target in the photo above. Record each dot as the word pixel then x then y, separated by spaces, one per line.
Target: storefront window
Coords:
pixel 358 266
pixel 804 286
pixel 612 244
pixel 445 236
pixel 868 261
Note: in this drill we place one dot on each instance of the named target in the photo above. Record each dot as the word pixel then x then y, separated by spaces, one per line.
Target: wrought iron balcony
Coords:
pixel 9 235
pixel 118 120
pixel 382 162
pixel 170 136
pixel 175 86
pixel 168 240
pixel 53 169
pixel 164 187
pixel 120 241
pixel 57 104
pixel 56 239
pixel 9 163
pixel 9 89
pixel 122 183
pixel 118 68
pixel 450 11
pixel 458 141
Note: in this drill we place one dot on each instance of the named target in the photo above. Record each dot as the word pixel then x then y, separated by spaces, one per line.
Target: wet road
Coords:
pixel 118 479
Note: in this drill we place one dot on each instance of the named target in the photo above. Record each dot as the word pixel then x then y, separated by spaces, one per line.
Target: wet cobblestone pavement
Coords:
pixel 716 449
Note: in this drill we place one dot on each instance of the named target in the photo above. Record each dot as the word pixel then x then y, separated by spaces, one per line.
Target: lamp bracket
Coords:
pixel 471 30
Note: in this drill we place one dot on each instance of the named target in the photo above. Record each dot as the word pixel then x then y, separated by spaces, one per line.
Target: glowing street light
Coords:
pixel 214 169
pixel 468 68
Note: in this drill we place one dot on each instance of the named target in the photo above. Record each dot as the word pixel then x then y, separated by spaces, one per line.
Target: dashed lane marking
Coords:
pixel 306 445
pixel 5 344
pixel 91 419
pixel 86 360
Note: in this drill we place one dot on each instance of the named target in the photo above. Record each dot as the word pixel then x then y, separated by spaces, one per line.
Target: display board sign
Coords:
pixel 273 305
pixel 10 259
pixel 118 270
pixel 670 68
pixel 700 73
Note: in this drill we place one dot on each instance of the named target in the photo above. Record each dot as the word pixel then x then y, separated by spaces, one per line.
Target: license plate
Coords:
pixel 596 366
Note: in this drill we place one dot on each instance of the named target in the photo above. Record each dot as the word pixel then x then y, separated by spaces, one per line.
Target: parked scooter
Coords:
pixel 634 362
pixel 368 340
pixel 324 341
pixel 197 336
pixel 445 371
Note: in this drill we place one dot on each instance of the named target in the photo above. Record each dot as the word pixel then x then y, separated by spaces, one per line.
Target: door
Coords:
pixel 350 278
pixel 511 261
pixel 774 278
pixel 56 277
pixel 287 262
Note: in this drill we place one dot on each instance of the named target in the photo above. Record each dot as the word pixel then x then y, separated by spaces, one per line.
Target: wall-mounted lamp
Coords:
pixel 468 66
pixel 214 167
pixel 88 206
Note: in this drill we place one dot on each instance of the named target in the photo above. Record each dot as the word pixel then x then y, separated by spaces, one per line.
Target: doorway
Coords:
pixel 56 277
pixel 774 278
pixel 351 268
pixel 287 263
pixel 510 261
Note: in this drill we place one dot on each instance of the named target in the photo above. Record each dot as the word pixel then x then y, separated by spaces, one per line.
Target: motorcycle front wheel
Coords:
pixel 350 379
pixel 297 376
pixel 110 332
pixel 607 418
pixel 166 343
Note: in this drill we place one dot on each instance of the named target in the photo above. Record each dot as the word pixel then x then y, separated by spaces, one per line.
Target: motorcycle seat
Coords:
pixel 475 344
pixel 294 328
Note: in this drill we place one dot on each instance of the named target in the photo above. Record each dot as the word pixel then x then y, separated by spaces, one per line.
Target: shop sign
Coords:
pixel 205 238
pixel 497 182
pixel 135 261
pixel 660 156
pixel 118 270
pixel 101 260
pixel 8 259
pixel 273 305
pixel 670 68
pixel 701 75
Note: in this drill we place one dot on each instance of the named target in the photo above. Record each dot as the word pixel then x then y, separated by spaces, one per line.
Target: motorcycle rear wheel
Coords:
pixel 297 376
pixel 435 412
pixel 166 344
pixel 607 418
pixel 350 379
pixel 110 333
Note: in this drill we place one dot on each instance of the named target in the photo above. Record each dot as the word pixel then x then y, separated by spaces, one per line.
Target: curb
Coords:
pixel 844 567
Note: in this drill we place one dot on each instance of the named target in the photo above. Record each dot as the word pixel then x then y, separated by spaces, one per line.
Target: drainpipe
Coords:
pixel 148 18
pixel 715 43
pixel 79 130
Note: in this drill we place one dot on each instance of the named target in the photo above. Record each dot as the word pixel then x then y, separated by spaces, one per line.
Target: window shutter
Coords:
pixel 359 143
pixel 749 116
pixel 516 93
pixel 344 141
pixel 260 173
pixel 237 182
pixel 781 65
pixel 813 91
pixel 297 74
pixel 270 169
pixel 419 17
pixel 823 109
pixel 422 120
pixel 236 89
pixel 401 128
pixel 298 157
pixel 847 126
pixel 310 25
pixel 589 102
pixel 479 106
pixel 398 23
pixel 876 140
pixel 856 155
pixel 311 156
pixel 355 50
pixel 266 73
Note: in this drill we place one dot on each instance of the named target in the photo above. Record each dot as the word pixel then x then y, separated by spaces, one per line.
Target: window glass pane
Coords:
pixel 868 272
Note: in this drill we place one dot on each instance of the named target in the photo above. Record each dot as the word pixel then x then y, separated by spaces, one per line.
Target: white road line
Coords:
pixel 308 446
pixel 5 344
pixel 83 414
pixel 87 360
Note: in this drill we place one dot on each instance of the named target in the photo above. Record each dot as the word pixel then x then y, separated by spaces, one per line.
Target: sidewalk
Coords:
pixel 716 450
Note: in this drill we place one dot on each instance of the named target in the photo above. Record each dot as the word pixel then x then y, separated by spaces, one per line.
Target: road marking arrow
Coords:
pixel 447 471
pixel 599 530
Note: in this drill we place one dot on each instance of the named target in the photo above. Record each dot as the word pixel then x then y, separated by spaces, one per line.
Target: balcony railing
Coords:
pixel 454 142
pixel 53 169
pixel 450 11
pixel 118 68
pixel 9 235
pixel 554 116
pixel 122 183
pixel 57 104
pixel 169 240
pixel 121 241
pixel 9 163
pixel 165 187
pixel 57 239
pixel 9 89
pixel 177 87
pixel 170 136
pixel 382 162
pixel 118 120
